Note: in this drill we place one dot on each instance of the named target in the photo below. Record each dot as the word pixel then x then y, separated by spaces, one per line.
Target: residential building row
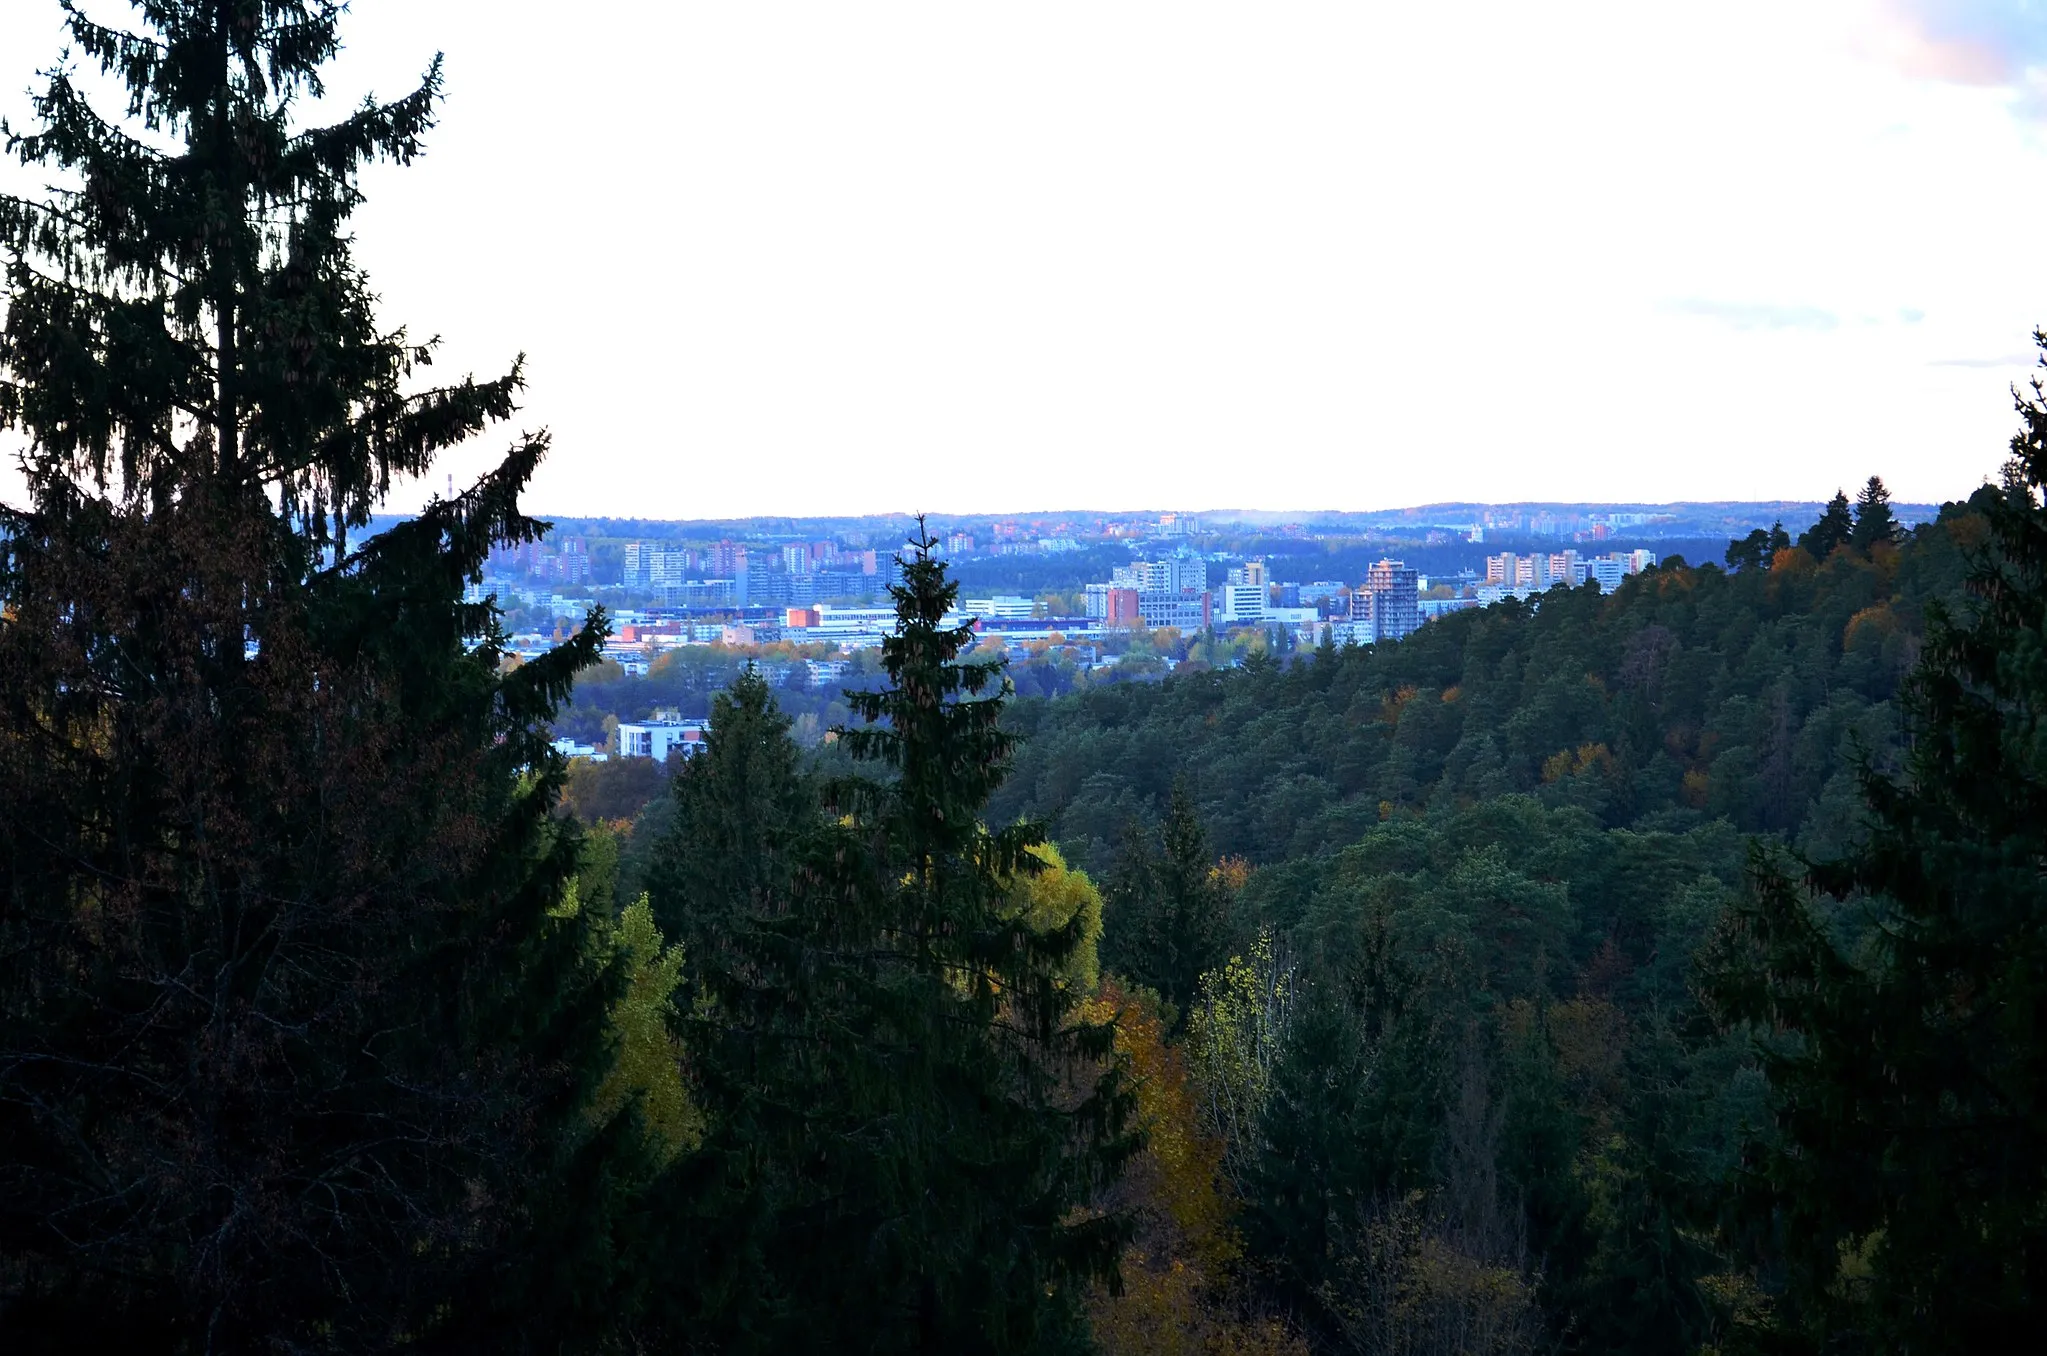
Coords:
pixel 1175 592
pixel 1521 576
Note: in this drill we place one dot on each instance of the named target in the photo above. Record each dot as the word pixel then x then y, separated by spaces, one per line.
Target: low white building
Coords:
pixel 634 658
pixel 663 737
pixel 1240 603
pixel 1002 605
pixel 1355 631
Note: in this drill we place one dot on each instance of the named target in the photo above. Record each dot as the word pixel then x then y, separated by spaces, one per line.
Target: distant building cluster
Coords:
pixel 1175 592
pixel 746 608
pixel 1522 576
pixel 564 563
pixel 820 588
pixel 727 574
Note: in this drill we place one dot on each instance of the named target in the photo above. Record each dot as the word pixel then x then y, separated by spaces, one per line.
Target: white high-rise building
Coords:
pixel 1173 575
pixel 1395 592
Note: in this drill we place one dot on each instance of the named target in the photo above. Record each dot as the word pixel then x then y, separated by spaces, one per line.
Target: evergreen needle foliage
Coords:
pixel 909 1114
pixel 1457 1059
pixel 321 1029
pixel 295 1044
pixel 1167 920
pixel 1874 522
pixel 1908 1185
pixel 1835 529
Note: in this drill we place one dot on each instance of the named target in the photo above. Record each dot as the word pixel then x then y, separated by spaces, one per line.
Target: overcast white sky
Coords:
pixel 832 258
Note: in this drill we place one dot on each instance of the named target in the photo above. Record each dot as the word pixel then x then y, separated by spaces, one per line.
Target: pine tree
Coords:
pixel 1167 917
pixel 1907 1182
pixel 1748 553
pixel 1835 529
pixel 736 816
pixel 1310 1176
pixel 1758 548
pixel 295 1040
pixel 1874 521
pixel 908 1118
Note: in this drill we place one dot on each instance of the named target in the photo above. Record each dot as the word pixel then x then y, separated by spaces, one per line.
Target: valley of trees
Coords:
pixel 1496 887
pixel 1662 971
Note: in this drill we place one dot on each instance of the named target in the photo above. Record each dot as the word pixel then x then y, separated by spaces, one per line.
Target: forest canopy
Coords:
pixel 1661 970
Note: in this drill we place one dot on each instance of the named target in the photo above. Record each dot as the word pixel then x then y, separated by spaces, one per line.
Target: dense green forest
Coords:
pixel 1493 851
pixel 1693 694
pixel 1661 971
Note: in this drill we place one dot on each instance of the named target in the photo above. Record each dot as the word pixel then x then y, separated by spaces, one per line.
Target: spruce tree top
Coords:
pixel 936 722
pixel 1834 529
pixel 183 310
pixel 1874 521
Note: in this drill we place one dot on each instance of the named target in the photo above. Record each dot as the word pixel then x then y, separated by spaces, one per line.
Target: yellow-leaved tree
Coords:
pixel 1052 898
pixel 648 1062
pixel 647 1059
pixel 1180 1291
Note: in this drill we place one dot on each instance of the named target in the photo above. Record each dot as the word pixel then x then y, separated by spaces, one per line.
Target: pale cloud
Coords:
pixel 1974 42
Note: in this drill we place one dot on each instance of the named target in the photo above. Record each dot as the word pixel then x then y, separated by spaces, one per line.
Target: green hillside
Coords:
pixel 1484 860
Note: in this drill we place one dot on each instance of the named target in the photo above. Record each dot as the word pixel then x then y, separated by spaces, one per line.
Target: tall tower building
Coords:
pixel 1396 599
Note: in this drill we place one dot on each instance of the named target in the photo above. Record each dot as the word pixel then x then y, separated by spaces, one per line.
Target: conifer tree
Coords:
pixel 1758 548
pixel 737 815
pixel 295 1040
pixel 1748 552
pixel 1907 1183
pixel 1874 521
pixel 1835 528
pixel 1167 917
pixel 907 1115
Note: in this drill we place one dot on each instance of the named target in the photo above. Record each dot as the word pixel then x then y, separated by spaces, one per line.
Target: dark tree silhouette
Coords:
pixel 1874 521
pixel 1907 1186
pixel 1835 529
pixel 295 1040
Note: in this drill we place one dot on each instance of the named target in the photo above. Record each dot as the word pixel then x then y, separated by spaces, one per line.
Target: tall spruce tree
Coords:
pixel 908 1118
pixel 295 1041
pixel 1908 1050
pixel 737 816
pixel 1166 918
pixel 1874 521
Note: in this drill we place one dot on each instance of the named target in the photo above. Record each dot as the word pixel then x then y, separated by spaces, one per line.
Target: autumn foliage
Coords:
pixel 1180 1287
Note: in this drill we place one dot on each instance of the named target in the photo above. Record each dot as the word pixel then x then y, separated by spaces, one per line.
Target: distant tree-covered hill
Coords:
pixel 1458 1065
pixel 1689 694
